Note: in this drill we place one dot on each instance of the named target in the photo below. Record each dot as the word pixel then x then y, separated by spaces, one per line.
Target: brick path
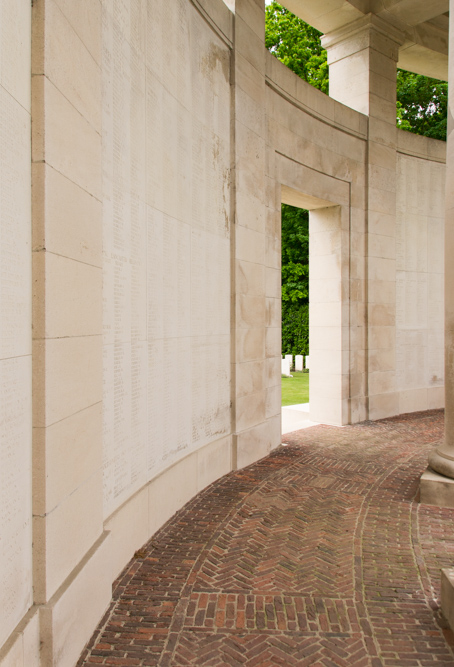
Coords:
pixel 317 555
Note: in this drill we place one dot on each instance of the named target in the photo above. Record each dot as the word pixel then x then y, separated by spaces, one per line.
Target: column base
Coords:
pixel 442 462
pixel 436 489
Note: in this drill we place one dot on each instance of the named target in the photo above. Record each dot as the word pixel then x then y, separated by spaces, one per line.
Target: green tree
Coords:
pixel 297 45
pixel 295 280
pixel 422 105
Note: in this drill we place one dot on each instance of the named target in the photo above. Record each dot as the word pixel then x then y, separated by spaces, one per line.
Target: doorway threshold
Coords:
pixel 296 417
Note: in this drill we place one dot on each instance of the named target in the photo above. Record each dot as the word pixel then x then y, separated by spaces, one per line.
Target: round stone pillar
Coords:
pixel 442 458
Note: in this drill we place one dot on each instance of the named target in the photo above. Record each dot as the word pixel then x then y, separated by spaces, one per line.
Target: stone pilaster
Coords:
pixel 362 59
pixel 256 286
pixel 70 580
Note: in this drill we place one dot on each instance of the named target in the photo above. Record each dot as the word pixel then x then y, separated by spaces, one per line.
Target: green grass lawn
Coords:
pixel 296 389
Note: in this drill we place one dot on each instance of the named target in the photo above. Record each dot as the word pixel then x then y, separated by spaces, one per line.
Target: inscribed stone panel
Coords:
pixel 210 392
pixel 15 245
pixel 419 283
pixel 15 492
pixel 210 285
pixel 15 48
pixel 166 293
pixel 435 357
pixel 15 316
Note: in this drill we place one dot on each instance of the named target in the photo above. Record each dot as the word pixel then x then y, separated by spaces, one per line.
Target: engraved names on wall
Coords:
pixel 419 274
pixel 166 293
pixel 15 320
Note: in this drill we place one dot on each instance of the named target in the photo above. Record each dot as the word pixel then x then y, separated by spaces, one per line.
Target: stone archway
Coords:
pixel 328 202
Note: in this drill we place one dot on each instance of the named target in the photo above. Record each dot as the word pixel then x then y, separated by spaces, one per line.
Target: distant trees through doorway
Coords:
pixel 295 280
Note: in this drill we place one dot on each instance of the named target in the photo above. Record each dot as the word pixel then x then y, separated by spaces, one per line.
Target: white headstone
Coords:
pixel 299 362
pixel 306 363
pixel 285 367
pixel 289 357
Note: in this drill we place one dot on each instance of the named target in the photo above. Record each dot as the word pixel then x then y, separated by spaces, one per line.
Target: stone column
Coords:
pixel 256 272
pixel 435 489
pixel 362 58
pixel 438 488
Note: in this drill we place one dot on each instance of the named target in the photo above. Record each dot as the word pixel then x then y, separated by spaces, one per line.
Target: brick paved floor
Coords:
pixel 317 555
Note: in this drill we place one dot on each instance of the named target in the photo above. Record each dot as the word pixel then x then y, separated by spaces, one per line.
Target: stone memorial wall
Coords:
pixel 419 283
pixel 160 162
pixel 15 317
pixel 166 240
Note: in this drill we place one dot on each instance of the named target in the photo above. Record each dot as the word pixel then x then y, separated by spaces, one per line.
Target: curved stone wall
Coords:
pixel 164 140
pixel 16 593
pixel 166 241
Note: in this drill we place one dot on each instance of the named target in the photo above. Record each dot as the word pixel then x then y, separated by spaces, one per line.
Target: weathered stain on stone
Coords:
pixel 216 56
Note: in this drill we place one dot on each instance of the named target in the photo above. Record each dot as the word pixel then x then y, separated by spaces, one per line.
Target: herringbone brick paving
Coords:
pixel 317 555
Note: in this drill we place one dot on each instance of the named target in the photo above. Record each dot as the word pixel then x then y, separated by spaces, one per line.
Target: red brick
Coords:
pixel 269 547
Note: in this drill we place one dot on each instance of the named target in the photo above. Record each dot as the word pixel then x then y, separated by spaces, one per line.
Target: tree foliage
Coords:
pixel 295 280
pixel 297 45
pixel 422 105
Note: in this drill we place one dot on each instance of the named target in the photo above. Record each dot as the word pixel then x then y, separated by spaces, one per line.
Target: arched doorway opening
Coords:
pixel 329 307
